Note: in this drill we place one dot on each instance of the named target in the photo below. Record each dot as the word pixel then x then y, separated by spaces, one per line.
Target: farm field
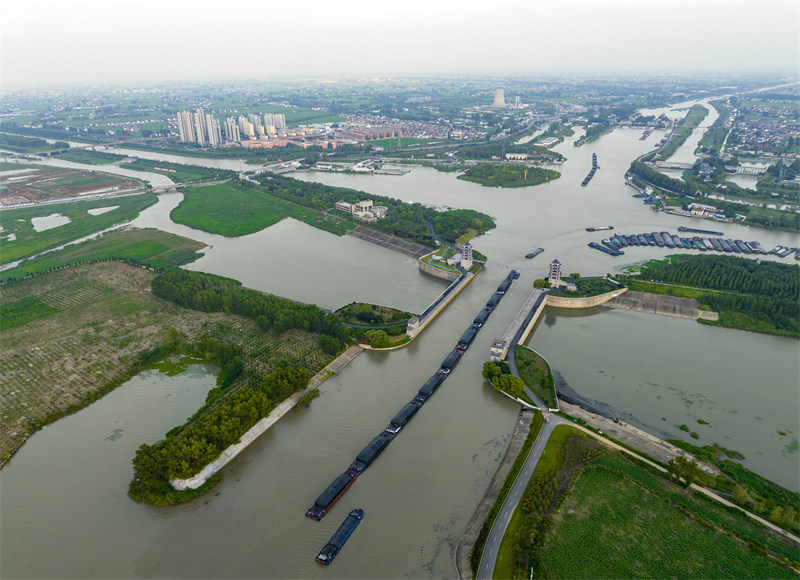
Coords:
pixel 20 238
pixel 49 183
pixel 233 210
pixel 154 247
pixel 93 321
pixel 609 527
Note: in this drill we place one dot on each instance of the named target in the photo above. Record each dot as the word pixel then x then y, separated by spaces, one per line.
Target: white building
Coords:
pixel 186 127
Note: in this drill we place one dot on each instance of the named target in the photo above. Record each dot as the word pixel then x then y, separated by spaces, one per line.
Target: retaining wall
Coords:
pixel 587 302
pixel 438 272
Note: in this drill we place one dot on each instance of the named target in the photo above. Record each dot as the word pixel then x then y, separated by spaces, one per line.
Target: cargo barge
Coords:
pixel 534 253
pixel 591 173
pixel 331 549
pixel 597 246
pixel 694 231
pixel 331 495
pixel 600 229
pixel 379 443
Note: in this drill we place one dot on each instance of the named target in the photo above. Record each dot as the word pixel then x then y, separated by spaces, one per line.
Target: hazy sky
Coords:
pixel 98 41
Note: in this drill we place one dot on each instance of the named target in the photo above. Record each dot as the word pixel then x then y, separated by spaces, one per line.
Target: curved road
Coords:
pixel 492 547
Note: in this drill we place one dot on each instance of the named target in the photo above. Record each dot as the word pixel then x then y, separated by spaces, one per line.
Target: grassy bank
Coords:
pixel 234 210
pixel 536 373
pixel 178 172
pixel 90 157
pixel 681 133
pixel 148 246
pixel 82 223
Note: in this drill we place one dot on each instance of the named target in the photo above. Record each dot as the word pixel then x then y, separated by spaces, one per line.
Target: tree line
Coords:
pixel 208 293
pixel 765 292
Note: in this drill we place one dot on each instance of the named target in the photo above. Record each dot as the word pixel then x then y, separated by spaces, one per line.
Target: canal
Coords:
pixel 64 510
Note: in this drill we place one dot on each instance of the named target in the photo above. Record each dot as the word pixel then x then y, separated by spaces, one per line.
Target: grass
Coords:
pixel 669 290
pixel 90 157
pixel 105 316
pixel 439 260
pixel 22 311
pixel 234 210
pixel 82 223
pixel 609 527
pixel 177 172
pixel 536 373
pixel 151 246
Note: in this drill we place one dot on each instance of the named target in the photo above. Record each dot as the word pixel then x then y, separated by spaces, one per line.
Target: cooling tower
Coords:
pixel 499 99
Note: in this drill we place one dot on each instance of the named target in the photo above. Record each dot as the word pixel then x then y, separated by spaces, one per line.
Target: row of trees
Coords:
pixel 407 220
pixel 758 293
pixel 215 294
pixel 501 381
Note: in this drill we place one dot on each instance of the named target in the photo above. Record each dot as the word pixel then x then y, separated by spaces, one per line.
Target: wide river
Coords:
pixel 64 510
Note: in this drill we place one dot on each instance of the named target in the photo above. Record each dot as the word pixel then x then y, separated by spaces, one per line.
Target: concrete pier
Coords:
pixel 521 326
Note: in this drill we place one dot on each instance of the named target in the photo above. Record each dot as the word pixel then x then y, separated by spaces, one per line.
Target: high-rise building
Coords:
pixel 280 120
pixel 213 130
pixel 200 127
pixel 186 127
pixel 232 133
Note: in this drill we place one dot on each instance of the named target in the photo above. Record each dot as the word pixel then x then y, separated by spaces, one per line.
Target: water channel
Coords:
pixel 64 510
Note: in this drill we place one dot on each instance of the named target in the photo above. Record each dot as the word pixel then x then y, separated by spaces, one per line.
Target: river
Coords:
pixel 420 493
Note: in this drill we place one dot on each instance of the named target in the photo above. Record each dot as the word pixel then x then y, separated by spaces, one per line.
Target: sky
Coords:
pixel 56 42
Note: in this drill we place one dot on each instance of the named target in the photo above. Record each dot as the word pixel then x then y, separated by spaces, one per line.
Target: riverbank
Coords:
pixel 265 424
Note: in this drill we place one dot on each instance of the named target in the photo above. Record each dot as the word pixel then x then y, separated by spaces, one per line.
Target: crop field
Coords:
pixel 47 184
pixel 609 527
pixel 92 321
pixel 157 248
pixel 233 210
pixel 27 241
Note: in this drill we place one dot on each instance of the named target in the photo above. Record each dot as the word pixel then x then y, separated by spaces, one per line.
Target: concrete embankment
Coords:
pixel 418 323
pixel 661 304
pixel 391 242
pixel 586 302
pixel 265 423
pixel 438 272
pixel 467 541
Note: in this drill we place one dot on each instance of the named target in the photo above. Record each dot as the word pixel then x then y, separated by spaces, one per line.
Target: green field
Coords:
pixel 235 210
pixel 90 157
pixel 28 241
pixel 609 527
pixel 150 246
pixel 182 173
pixel 22 311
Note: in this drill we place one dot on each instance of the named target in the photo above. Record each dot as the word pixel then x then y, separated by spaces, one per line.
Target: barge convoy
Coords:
pixel 370 453
pixel 331 549
pixel 614 244
pixel 591 173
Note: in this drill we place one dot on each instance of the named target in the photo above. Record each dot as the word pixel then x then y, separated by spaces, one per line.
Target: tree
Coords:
pixel 377 338
pixel 684 468
pixel 740 495
pixel 172 338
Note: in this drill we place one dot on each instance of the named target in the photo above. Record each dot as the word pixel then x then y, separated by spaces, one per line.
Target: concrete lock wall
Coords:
pixel 438 272
pixel 588 302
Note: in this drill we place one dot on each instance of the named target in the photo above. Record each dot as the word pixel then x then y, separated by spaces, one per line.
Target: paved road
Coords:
pixel 498 530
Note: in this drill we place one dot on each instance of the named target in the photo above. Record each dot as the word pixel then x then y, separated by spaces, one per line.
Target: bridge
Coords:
pixel 172 186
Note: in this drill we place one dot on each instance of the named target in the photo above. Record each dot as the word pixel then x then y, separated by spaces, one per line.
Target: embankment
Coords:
pixel 391 242
pixel 661 304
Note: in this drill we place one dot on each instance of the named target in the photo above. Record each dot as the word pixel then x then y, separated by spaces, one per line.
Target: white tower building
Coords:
pixel 466 256
pixel 555 272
